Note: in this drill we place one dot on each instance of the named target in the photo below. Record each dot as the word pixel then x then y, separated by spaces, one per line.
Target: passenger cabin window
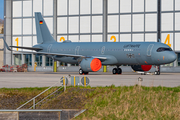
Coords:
pixel 163 49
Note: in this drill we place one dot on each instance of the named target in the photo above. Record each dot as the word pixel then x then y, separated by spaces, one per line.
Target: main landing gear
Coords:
pixel 157 72
pixel 117 70
pixel 81 72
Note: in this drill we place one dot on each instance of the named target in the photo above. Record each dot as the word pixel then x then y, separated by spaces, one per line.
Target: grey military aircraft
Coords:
pixel 92 55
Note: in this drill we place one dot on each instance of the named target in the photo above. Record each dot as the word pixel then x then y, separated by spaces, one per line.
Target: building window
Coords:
pixel 28 59
pixel 74 64
pixel 38 59
pixel 49 61
pixel 178 59
pixel 170 64
pixel 62 64
pixel 17 59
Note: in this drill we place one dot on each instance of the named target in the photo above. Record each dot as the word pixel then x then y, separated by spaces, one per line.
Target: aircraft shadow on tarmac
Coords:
pixel 101 73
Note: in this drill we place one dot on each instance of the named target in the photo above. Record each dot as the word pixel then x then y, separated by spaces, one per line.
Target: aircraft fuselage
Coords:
pixel 119 53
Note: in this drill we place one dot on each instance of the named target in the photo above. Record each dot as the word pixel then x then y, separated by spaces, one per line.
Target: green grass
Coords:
pixel 134 102
pixel 27 90
pixel 106 103
pixel 15 97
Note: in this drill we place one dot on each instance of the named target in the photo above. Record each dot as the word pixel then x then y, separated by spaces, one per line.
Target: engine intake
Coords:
pixel 90 64
pixel 141 67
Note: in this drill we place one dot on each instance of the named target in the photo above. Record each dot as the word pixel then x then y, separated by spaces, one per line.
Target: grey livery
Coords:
pixel 92 55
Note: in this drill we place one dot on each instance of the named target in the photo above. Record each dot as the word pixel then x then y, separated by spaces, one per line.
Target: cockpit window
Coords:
pixel 163 49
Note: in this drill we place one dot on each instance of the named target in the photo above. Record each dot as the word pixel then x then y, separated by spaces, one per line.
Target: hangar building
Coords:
pixel 90 21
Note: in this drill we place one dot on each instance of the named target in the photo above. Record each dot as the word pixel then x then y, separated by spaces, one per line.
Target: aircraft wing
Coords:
pixel 102 58
pixel 64 55
pixel 58 54
pixel 29 48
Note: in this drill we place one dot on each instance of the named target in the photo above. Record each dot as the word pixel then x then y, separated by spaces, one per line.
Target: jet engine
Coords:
pixel 141 67
pixel 90 65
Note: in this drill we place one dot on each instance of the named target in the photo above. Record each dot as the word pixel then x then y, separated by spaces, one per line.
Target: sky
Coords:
pixel 1 9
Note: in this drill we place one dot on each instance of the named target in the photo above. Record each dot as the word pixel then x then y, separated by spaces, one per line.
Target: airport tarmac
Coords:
pixel 43 79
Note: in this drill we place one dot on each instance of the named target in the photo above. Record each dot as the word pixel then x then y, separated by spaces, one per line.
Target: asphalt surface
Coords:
pixel 43 79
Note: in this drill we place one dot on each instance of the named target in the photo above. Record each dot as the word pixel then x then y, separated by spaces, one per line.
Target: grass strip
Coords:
pixel 134 102
pixel 106 103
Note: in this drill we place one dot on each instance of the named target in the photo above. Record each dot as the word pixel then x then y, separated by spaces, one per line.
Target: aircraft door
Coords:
pixel 49 48
pixel 149 49
pixel 77 50
pixel 102 50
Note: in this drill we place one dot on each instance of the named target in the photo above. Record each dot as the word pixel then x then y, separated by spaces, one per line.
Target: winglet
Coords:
pixel 6 44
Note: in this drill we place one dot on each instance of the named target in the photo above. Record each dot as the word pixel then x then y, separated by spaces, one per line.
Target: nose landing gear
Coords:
pixel 117 70
pixel 157 72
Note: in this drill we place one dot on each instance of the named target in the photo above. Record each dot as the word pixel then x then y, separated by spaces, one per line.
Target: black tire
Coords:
pixel 119 70
pixel 114 71
pixel 158 73
pixel 81 71
pixel 86 73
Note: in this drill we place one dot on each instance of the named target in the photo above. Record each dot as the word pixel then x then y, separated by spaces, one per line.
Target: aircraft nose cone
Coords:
pixel 173 57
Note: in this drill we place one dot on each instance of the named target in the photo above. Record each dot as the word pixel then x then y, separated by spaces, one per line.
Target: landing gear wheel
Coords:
pixel 81 71
pixel 114 71
pixel 86 73
pixel 119 71
pixel 157 72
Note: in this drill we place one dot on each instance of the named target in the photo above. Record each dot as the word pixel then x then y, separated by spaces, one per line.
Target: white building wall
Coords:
pixel 82 21
pixel 23 22
pixel 150 5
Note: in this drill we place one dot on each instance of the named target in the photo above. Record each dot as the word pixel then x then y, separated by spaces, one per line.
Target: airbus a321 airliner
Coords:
pixel 92 55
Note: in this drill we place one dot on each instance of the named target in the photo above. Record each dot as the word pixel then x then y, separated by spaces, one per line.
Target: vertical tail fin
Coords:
pixel 42 31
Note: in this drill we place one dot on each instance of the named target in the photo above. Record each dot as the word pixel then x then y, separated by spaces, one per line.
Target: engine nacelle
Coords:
pixel 90 65
pixel 141 67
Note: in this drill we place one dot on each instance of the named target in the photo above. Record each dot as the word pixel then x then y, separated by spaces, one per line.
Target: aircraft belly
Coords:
pixel 70 60
pixel 139 59
pixel 144 60
pixel 127 58
pixel 135 58
pixel 111 60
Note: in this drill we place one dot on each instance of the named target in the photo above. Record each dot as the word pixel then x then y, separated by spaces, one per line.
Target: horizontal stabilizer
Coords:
pixel 29 48
pixel 6 45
